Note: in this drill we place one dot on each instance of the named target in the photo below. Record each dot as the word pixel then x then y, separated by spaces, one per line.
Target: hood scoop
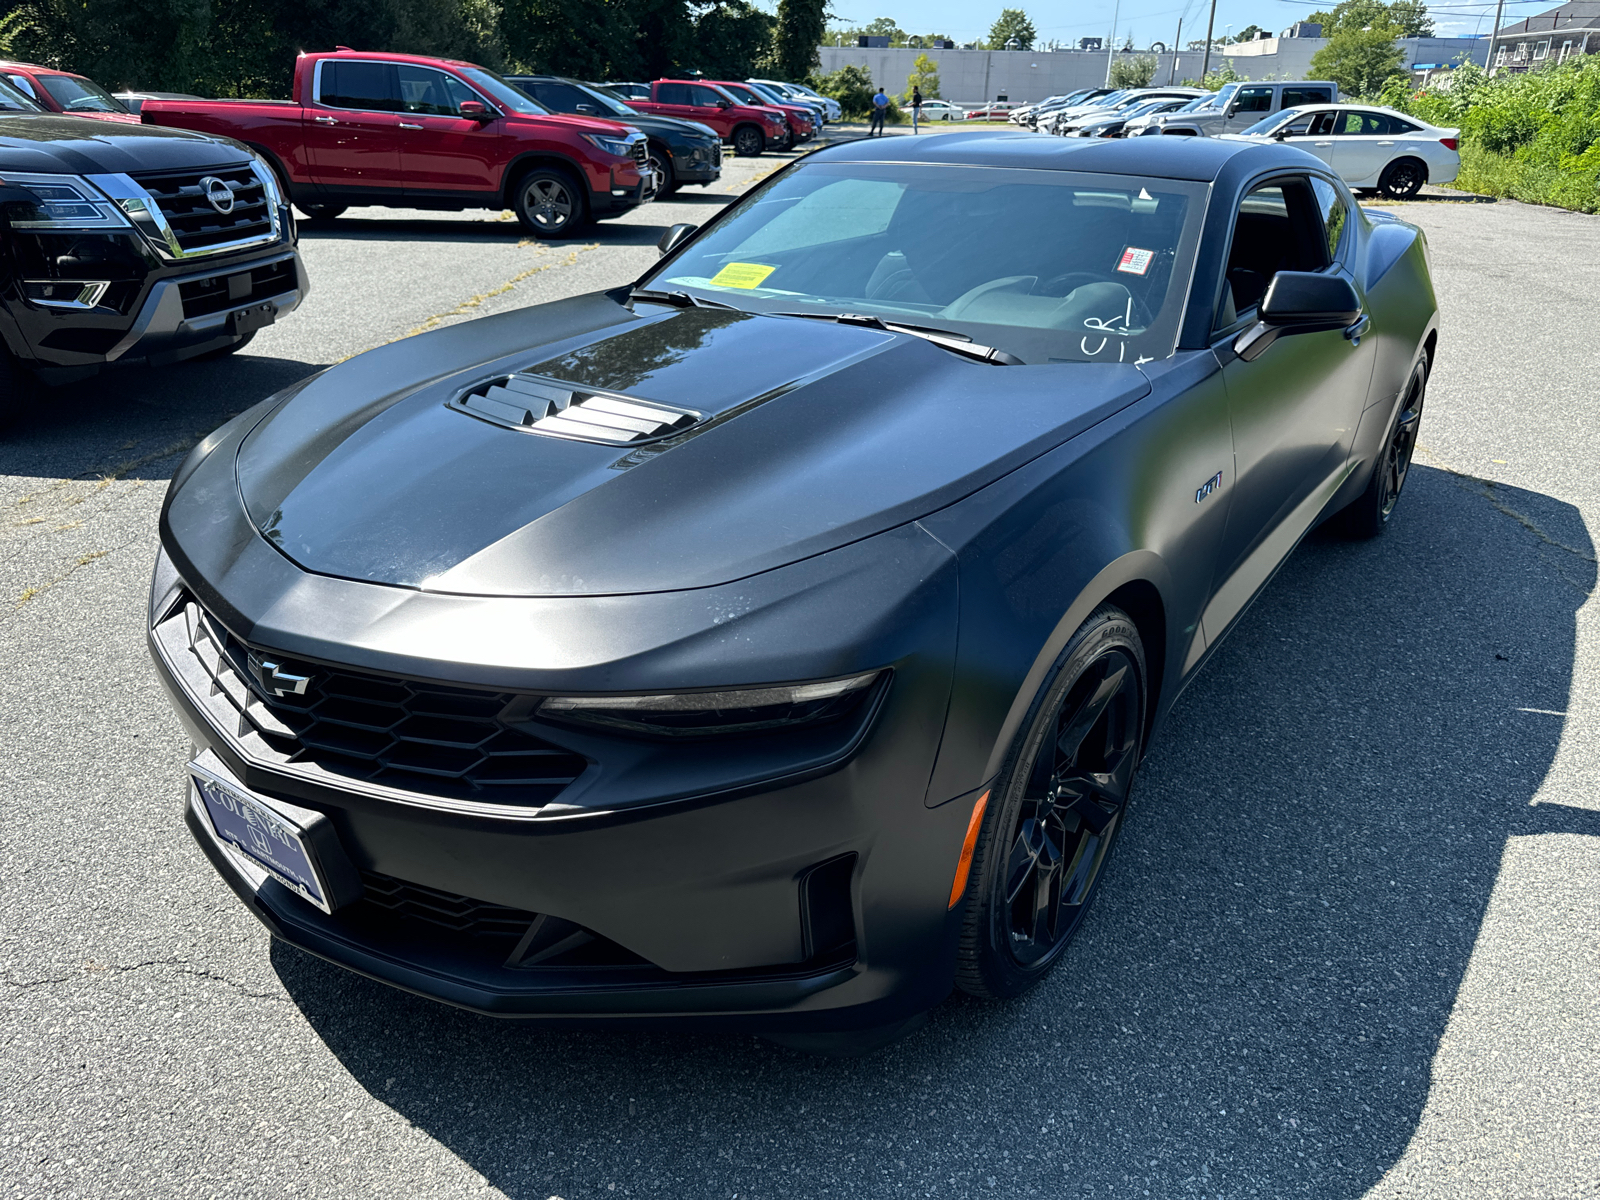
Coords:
pixel 537 404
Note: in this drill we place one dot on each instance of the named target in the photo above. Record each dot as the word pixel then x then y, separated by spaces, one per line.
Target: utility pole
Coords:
pixel 1111 45
pixel 1211 23
pixel 1177 46
pixel 1488 57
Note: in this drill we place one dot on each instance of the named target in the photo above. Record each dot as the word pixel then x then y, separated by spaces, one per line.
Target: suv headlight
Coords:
pixel 704 714
pixel 621 147
pixel 62 202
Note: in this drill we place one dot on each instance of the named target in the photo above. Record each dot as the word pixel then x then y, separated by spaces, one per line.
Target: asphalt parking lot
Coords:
pixel 1350 944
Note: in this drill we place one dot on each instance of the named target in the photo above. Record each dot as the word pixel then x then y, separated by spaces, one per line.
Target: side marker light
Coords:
pixel 968 845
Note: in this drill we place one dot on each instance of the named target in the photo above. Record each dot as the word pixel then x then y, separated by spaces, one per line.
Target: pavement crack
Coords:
pixel 1488 490
pixel 472 302
pixel 179 967
pixel 83 560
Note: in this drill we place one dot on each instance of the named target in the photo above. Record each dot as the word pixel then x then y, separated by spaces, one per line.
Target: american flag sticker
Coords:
pixel 1136 262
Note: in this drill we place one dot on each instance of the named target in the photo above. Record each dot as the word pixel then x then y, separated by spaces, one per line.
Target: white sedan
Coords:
pixel 942 110
pixel 1390 152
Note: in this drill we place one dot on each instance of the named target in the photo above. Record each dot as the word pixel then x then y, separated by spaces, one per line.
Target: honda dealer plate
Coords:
pixel 253 828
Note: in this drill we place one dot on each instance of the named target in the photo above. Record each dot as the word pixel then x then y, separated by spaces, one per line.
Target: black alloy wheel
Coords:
pixel 1402 179
pixel 748 141
pixel 548 203
pixel 660 161
pixel 1368 515
pixel 1054 814
pixel 319 213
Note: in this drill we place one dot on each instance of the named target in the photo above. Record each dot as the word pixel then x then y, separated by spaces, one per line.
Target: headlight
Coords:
pixel 621 147
pixel 701 714
pixel 63 202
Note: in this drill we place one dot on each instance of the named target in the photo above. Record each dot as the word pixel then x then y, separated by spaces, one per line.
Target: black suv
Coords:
pixel 131 243
pixel 681 152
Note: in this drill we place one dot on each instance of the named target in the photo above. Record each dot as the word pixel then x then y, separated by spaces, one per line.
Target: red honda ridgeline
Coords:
pixel 412 132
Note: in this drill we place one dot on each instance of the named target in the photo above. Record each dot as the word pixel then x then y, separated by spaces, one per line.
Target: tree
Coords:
pixel 885 27
pixel 924 77
pixel 1360 61
pixel 729 38
pixel 1134 72
pixel 1410 17
pixel 851 86
pixel 798 33
pixel 1013 23
pixel 1248 33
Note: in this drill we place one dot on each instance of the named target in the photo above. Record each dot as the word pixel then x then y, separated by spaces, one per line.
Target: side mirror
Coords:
pixel 673 237
pixel 1299 302
pixel 724 103
pixel 475 110
pixel 586 108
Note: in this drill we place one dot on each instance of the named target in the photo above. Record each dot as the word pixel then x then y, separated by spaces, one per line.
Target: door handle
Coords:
pixel 403 125
pixel 1324 143
pixel 1357 331
pixel 1385 143
pixel 325 120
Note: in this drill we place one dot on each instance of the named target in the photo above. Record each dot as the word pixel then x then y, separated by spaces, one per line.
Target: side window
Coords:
pixel 1300 126
pixel 26 84
pixel 1335 215
pixel 1323 123
pixel 1277 229
pixel 704 97
pixel 367 85
pixel 1293 97
pixel 1363 124
pixel 431 93
pixel 1253 100
pixel 564 98
pixel 673 93
pixel 1396 125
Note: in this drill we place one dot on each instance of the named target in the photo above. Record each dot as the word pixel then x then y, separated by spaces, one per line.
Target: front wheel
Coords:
pixel 748 142
pixel 1368 515
pixel 660 162
pixel 1402 179
pixel 548 203
pixel 1054 813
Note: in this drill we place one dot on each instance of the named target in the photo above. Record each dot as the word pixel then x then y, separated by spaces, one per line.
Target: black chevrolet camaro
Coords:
pixel 772 642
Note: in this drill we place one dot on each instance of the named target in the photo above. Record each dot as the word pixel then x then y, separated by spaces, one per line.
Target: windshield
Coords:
pixel 1220 100
pixel 1145 109
pixel 610 103
pixel 743 95
pixel 80 95
pixel 503 93
pixel 1268 124
pixel 1051 266
pixel 1198 103
pixel 767 95
pixel 13 100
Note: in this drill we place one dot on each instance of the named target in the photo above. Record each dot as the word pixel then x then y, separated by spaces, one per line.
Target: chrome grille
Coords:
pixel 420 738
pixel 196 225
pixel 641 152
pixel 534 404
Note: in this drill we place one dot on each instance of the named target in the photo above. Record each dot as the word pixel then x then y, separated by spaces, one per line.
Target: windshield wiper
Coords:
pixel 946 339
pixel 676 299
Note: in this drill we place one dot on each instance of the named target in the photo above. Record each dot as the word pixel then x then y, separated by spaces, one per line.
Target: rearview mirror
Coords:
pixel 673 237
pixel 474 110
pixel 1299 302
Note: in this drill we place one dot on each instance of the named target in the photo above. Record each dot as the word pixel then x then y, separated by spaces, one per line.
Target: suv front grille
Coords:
pixel 196 224
pixel 216 293
pixel 641 152
pixel 420 738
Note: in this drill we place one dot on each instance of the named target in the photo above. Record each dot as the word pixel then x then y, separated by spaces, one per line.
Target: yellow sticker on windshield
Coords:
pixel 742 275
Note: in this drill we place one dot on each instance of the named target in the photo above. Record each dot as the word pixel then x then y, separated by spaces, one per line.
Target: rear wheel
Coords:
pixel 748 141
pixel 1055 811
pixel 1369 514
pixel 321 213
pixel 548 203
pixel 1402 179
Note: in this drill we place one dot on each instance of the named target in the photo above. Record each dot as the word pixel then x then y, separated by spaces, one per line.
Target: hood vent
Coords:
pixel 535 404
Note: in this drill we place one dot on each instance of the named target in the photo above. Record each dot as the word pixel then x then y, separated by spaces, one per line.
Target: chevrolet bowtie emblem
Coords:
pixel 275 677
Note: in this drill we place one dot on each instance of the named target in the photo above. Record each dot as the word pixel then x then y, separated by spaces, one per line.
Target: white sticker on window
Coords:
pixel 1136 262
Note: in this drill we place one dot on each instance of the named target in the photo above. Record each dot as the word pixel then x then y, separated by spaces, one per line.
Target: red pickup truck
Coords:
pixel 412 132
pixel 749 127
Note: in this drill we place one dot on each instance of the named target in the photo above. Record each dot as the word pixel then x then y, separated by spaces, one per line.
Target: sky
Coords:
pixel 1148 20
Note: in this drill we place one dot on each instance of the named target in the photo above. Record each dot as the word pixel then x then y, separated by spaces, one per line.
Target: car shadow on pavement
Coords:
pixel 1253 1007
pixel 137 422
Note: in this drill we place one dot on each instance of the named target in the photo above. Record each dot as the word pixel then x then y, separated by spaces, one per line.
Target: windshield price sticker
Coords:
pixel 742 275
pixel 1135 262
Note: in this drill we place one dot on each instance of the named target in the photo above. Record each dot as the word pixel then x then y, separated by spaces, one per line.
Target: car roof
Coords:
pixel 1194 158
pixel 427 60
pixel 38 70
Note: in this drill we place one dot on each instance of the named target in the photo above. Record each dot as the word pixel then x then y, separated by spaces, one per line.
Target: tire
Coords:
pixel 548 203
pixel 1402 179
pixel 748 141
pixel 227 351
pixel 661 162
pixel 1368 515
pixel 319 214
pixel 788 142
pixel 16 391
pixel 1054 813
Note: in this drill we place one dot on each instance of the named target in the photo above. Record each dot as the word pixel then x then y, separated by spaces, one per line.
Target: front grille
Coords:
pixel 420 738
pixel 219 292
pixel 461 915
pixel 195 223
pixel 641 152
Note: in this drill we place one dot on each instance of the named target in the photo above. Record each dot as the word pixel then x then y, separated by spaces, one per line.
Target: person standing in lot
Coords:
pixel 916 107
pixel 880 106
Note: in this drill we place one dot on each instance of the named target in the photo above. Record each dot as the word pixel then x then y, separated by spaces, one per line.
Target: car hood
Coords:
pixel 50 142
pixel 604 126
pixel 654 123
pixel 812 435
